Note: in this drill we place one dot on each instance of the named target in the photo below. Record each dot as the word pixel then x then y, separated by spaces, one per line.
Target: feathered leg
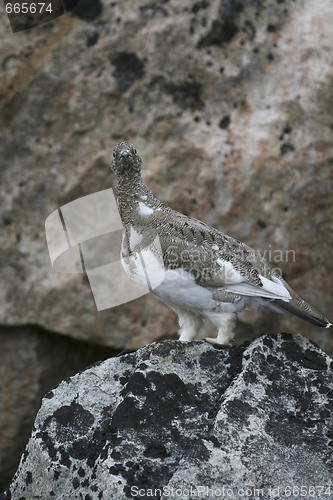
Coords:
pixel 225 323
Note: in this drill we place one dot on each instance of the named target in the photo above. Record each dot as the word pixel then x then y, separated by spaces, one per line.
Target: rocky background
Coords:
pixel 228 102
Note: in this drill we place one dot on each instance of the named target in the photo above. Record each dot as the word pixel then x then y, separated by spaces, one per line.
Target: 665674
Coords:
pixel 27 7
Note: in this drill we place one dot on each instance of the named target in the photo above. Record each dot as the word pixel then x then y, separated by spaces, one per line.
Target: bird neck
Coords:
pixel 130 191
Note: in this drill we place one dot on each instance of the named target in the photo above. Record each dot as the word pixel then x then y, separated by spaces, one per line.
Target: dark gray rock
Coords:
pixel 32 362
pixel 184 416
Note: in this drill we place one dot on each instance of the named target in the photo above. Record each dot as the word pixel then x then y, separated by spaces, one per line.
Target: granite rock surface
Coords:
pixel 184 415
pixel 229 104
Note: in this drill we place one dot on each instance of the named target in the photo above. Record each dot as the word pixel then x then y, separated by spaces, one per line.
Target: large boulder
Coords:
pixel 240 420
pixel 32 362
pixel 229 104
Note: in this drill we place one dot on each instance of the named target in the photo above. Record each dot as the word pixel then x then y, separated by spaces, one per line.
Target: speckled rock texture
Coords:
pixel 32 362
pixel 181 415
pixel 229 104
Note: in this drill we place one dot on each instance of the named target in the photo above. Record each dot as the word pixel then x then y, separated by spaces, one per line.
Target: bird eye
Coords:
pixel 114 154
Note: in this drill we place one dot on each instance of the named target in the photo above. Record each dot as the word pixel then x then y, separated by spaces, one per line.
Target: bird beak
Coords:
pixel 125 154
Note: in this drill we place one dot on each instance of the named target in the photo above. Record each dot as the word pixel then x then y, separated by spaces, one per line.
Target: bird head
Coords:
pixel 125 160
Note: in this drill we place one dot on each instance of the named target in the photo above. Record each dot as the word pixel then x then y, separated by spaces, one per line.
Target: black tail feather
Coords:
pixel 288 307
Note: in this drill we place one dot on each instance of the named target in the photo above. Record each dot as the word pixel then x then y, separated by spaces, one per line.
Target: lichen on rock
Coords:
pixel 180 415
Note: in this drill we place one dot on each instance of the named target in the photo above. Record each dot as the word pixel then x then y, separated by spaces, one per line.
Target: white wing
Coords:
pixel 270 289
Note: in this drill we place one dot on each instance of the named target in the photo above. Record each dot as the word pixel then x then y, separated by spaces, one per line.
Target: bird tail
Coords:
pixel 298 307
pixel 310 314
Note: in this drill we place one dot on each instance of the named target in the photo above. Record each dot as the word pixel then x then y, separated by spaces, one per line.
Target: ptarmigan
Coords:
pixel 195 269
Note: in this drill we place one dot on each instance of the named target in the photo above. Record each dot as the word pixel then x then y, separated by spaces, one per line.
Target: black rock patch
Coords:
pixel 92 39
pixel 156 450
pixel 287 148
pixel 128 68
pixel 225 122
pixel 87 10
pixel 71 421
pixel 186 94
pixel 239 411
pixel 202 4
pixel 224 28
pixel 28 479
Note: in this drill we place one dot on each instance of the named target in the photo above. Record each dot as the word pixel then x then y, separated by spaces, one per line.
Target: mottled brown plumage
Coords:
pixel 206 272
